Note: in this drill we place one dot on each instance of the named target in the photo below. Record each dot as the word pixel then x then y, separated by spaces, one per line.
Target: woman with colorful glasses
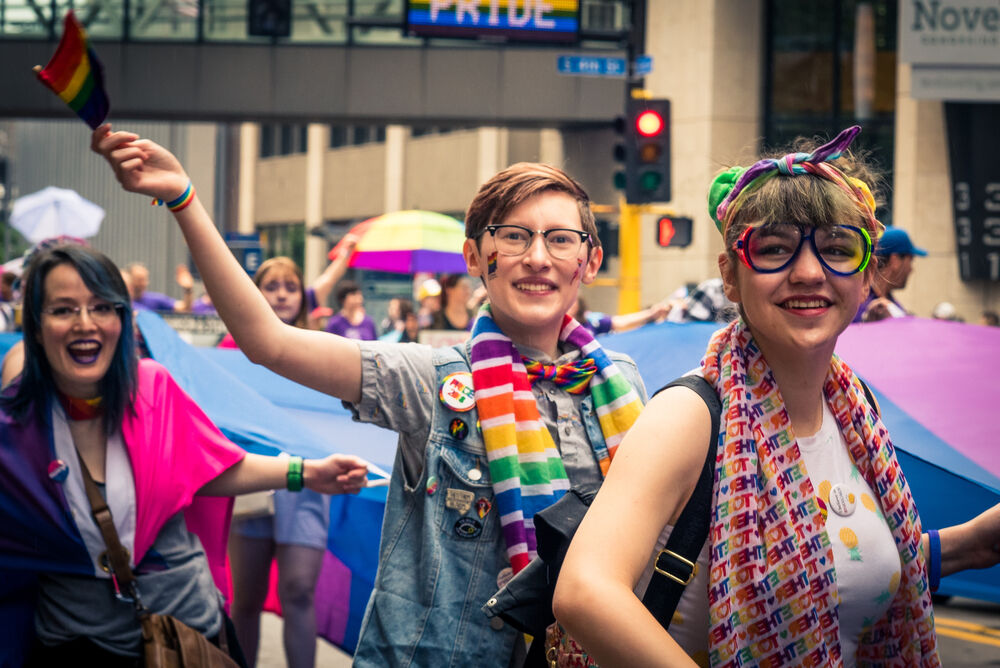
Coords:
pixel 84 403
pixel 815 553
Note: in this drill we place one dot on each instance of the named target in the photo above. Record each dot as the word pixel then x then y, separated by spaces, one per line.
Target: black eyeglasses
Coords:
pixel 562 243
pixel 841 249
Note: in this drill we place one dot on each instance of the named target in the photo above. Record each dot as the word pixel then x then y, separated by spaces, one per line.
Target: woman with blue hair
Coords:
pixel 84 410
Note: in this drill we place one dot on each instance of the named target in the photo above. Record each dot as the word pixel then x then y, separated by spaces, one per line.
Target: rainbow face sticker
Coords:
pixel 491 265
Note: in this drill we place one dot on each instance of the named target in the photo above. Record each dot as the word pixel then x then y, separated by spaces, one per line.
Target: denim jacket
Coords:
pixel 439 559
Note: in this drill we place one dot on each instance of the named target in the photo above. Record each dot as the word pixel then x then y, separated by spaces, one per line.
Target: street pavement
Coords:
pixel 272 654
pixel 968 633
pixel 968 637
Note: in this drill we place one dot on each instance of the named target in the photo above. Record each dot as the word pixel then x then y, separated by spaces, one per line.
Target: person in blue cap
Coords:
pixel 894 253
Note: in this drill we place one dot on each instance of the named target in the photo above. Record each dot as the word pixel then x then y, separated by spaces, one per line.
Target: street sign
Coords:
pixel 594 66
pixel 642 66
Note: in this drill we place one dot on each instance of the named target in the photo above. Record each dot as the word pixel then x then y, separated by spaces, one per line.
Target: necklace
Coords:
pixel 82 409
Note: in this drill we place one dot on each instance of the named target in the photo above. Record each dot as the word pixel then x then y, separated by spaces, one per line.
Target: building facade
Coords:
pixel 740 74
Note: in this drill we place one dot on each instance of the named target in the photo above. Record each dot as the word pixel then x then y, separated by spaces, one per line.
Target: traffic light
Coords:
pixel 647 151
pixel 673 231
pixel 619 153
pixel 269 18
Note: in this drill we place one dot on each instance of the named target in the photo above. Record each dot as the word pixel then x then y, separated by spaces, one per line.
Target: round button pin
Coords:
pixel 475 475
pixel 58 471
pixel 456 392
pixel 842 500
pixel 458 429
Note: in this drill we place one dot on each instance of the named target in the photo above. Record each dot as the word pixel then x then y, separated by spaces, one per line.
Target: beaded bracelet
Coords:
pixel 295 474
pixel 181 202
pixel 934 561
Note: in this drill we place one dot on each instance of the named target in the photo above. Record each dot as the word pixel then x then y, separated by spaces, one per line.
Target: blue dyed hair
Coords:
pixel 102 278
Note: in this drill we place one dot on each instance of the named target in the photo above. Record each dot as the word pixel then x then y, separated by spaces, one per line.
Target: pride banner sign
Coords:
pixel 521 20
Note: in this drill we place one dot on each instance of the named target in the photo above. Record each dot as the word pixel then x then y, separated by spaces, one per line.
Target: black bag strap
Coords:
pixel 676 564
pixel 871 397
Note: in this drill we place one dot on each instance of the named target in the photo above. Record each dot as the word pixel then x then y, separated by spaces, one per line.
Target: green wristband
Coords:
pixel 295 474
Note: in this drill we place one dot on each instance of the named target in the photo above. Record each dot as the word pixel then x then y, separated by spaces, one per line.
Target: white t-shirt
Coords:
pixel 864 551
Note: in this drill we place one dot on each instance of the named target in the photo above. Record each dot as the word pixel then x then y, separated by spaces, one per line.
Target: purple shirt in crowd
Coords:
pixel 364 331
pixel 202 307
pixel 154 301
pixel 596 322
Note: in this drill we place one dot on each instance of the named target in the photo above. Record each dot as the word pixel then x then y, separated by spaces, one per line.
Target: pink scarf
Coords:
pixel 175 449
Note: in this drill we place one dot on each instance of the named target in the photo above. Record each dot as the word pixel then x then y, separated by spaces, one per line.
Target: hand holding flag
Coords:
pixel 75 74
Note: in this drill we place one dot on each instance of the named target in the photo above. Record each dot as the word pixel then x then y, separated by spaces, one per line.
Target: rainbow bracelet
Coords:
pixel 181 202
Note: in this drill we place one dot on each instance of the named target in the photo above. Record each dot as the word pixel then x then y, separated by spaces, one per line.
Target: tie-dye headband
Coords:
pixel 729 190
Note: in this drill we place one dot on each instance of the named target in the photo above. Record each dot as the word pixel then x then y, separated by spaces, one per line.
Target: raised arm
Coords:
pixel 325 362
pixel 652 477
pixel 334 271
pixel 186 282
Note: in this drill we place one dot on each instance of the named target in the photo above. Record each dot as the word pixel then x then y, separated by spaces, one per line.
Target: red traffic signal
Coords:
pixel 647 150
pixel 673 231
pixel 649 123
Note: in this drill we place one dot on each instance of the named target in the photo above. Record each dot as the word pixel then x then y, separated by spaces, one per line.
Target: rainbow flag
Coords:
pixel 75 74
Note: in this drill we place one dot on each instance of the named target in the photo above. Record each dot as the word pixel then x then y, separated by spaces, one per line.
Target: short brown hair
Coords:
pixel 511 187
pixel 287 264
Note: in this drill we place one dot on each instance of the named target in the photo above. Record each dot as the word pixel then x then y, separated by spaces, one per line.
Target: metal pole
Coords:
pixel 629 221
pixel 629 227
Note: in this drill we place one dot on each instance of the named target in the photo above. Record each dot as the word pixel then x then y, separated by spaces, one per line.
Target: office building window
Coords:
pixel 283 139
pixel 830 64
pixel 356 135
pixel 287 240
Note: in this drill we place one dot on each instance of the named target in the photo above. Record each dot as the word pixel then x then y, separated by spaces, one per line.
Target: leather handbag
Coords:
pixel 167 642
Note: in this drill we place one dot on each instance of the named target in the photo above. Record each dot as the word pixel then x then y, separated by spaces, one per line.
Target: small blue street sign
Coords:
pixel 595 66
pixel 643 65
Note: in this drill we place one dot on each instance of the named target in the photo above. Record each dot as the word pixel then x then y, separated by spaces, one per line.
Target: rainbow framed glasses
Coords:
pixel 841 249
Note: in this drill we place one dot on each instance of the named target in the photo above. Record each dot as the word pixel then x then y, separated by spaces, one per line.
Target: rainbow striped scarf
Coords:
pixel 527 471
pixel 773 588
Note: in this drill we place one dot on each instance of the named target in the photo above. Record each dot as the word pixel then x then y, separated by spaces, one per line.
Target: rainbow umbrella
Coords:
pixel 407 242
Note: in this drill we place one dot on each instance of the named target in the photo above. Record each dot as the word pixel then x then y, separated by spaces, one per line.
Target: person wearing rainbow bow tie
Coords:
pixel 489 431
pixel 816 554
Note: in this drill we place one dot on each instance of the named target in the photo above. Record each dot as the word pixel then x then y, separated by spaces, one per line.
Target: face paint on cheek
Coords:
pixel 491 265
pixel 579 270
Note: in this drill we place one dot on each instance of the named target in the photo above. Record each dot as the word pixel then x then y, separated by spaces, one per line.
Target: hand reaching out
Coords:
pixel 984 552
pixel 140 165
pixel 336 474
pixel 183 277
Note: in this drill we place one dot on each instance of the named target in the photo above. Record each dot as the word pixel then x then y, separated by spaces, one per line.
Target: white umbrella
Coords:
pixel 53 212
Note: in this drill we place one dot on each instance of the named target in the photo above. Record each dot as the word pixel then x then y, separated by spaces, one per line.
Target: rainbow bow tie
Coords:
pixel 573 377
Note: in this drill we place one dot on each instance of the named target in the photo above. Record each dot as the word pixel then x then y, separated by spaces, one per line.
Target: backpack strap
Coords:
pixel 871 397
pixel 676 564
